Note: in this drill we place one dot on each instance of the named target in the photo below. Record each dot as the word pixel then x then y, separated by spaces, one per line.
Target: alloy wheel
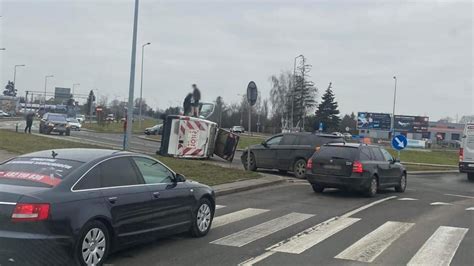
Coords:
pixel 93 246
pixel 203 217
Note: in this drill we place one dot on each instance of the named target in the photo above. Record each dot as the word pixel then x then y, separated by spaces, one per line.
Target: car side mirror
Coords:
pixel 393 161
pixel 180 178
pixel 264 144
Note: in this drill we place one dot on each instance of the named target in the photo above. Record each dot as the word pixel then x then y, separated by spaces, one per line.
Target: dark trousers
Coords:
pixel 28 126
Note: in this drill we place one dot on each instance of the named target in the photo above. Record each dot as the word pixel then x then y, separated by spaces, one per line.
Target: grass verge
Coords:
pixel 198 170
pixel 117 127
pixel 246 141
pixel 431 157
pixel 411 167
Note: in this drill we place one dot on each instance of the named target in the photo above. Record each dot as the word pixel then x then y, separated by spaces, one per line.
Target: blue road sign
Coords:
pixel 399 142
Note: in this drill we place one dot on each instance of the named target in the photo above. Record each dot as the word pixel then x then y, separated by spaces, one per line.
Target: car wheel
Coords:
pixel 202 218
pixel 40 129
pixel 470 176
pixel 402 184
pixel 253 166
pixel 93 245
pixel 299 168
pixel 68 132
pixel 61 133
pixel 317 188
pixel 372 189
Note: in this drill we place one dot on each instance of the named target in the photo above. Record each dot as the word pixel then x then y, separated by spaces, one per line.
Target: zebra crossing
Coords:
pixel 439 249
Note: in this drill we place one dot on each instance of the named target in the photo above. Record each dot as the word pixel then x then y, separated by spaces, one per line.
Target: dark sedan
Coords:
pixel 51 122
pixel 85 203
pixel 287 152
pixel 355 166
pixel 154 130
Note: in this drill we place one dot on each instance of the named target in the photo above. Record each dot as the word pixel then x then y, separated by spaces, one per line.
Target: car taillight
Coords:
pixel 309 164
pixel 461 154
pixel 30 212
pixel 357 167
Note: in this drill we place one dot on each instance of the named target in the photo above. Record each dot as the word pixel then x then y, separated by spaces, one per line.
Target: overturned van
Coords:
pixel 190 137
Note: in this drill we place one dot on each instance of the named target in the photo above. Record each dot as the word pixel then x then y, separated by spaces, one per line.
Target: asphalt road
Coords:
pixel 431 223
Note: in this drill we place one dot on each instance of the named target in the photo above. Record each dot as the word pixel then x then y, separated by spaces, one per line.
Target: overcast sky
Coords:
pixel 222 45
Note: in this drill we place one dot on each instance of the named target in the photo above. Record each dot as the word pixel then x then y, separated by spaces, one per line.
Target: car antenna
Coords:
pixel 54 154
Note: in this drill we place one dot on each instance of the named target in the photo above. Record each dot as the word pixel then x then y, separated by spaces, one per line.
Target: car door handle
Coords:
pixel 156 195
pixel 113 200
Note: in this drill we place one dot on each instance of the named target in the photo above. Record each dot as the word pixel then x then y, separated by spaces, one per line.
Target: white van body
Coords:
pixel 466 153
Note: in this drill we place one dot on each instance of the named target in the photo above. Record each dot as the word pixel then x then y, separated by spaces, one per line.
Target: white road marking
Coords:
pixel 407 199
pixel 368 248
pixel 312 236
pixel 236 216
pixel 219 207
pixel 470 209
pixel 440 248
pixel 460 196
pixel 254 233
pixel 254 260
pixel 440 204
pixel 265 255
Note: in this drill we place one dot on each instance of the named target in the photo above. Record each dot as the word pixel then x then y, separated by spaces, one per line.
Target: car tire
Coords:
pixel 61 133
pixel 93 244
pixel 317 188
pixel 202 218
pixel 253 166
pixel 68 132
pixel 470 176
pixel 402 184
pixel 40 129
pixel 372 188
pixel 299 168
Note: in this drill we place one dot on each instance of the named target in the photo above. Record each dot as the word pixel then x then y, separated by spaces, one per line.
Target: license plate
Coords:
pixel 332 167
pixel 470 165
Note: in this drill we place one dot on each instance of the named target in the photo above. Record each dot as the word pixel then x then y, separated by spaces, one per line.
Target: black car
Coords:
pixel 355 166
pixel 287 152
pixel 86 203
pixel 154 130
pixel 52 122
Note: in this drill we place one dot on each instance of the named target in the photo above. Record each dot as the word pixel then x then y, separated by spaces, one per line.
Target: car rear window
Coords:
pixel 32 171
pixel 340 152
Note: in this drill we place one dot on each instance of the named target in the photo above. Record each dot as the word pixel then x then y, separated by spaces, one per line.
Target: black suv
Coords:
pixel 355 166
pixel 287 152
pixel 52 122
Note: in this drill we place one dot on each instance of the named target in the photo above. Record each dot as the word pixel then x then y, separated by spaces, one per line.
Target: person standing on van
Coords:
pixel 187 105
pixel 29 121
pixel 195 101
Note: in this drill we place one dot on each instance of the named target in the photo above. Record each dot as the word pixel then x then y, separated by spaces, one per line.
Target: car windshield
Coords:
pixel 206 109
pixel 33 171
pixel 72 120
pixel 57 118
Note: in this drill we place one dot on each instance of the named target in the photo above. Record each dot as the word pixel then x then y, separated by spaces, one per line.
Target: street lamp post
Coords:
pixel 141 87
pixel 14 74
pixel 128 131
pixel 45 85
pixel 73 86
pixel 394 102
pixel 2 49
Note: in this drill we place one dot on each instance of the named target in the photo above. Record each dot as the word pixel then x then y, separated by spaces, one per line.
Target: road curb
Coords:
pixel 241 188
pixel 434 172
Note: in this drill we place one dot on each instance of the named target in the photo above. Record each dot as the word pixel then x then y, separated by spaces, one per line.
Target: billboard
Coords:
pixel 380 121
pixel 62 93
pixel 411 124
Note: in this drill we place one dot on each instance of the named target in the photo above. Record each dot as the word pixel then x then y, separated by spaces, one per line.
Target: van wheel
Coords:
pixel 372 189
pixel 253 166
pixel 470 176
pixel 402 184
pixel 317 188
pixel 299 169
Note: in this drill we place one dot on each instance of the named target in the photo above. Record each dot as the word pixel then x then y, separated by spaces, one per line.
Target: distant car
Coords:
pixel 81 118
pixel 337 134
pixel 51 122
pixel 466 152
pixel 237 129
pixel 154 130
pixel 347 135
pixel 110 118
pixel 83 204
pixel 287 152
pixel 74 124
pixel 4 114
pixel 355 166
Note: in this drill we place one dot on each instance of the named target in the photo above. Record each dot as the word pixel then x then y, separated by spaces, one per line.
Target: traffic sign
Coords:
pixel 252 93
pixel 399 142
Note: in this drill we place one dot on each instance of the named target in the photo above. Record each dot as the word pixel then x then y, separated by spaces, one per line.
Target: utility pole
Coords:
pixel 128 132
pixel 394 102
pixel 293 89
pixel 303 107
pixel 141 87
pixel 14 75
pixel 45 85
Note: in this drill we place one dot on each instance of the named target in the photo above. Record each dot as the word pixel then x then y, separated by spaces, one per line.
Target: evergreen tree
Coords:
pixel 328 112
